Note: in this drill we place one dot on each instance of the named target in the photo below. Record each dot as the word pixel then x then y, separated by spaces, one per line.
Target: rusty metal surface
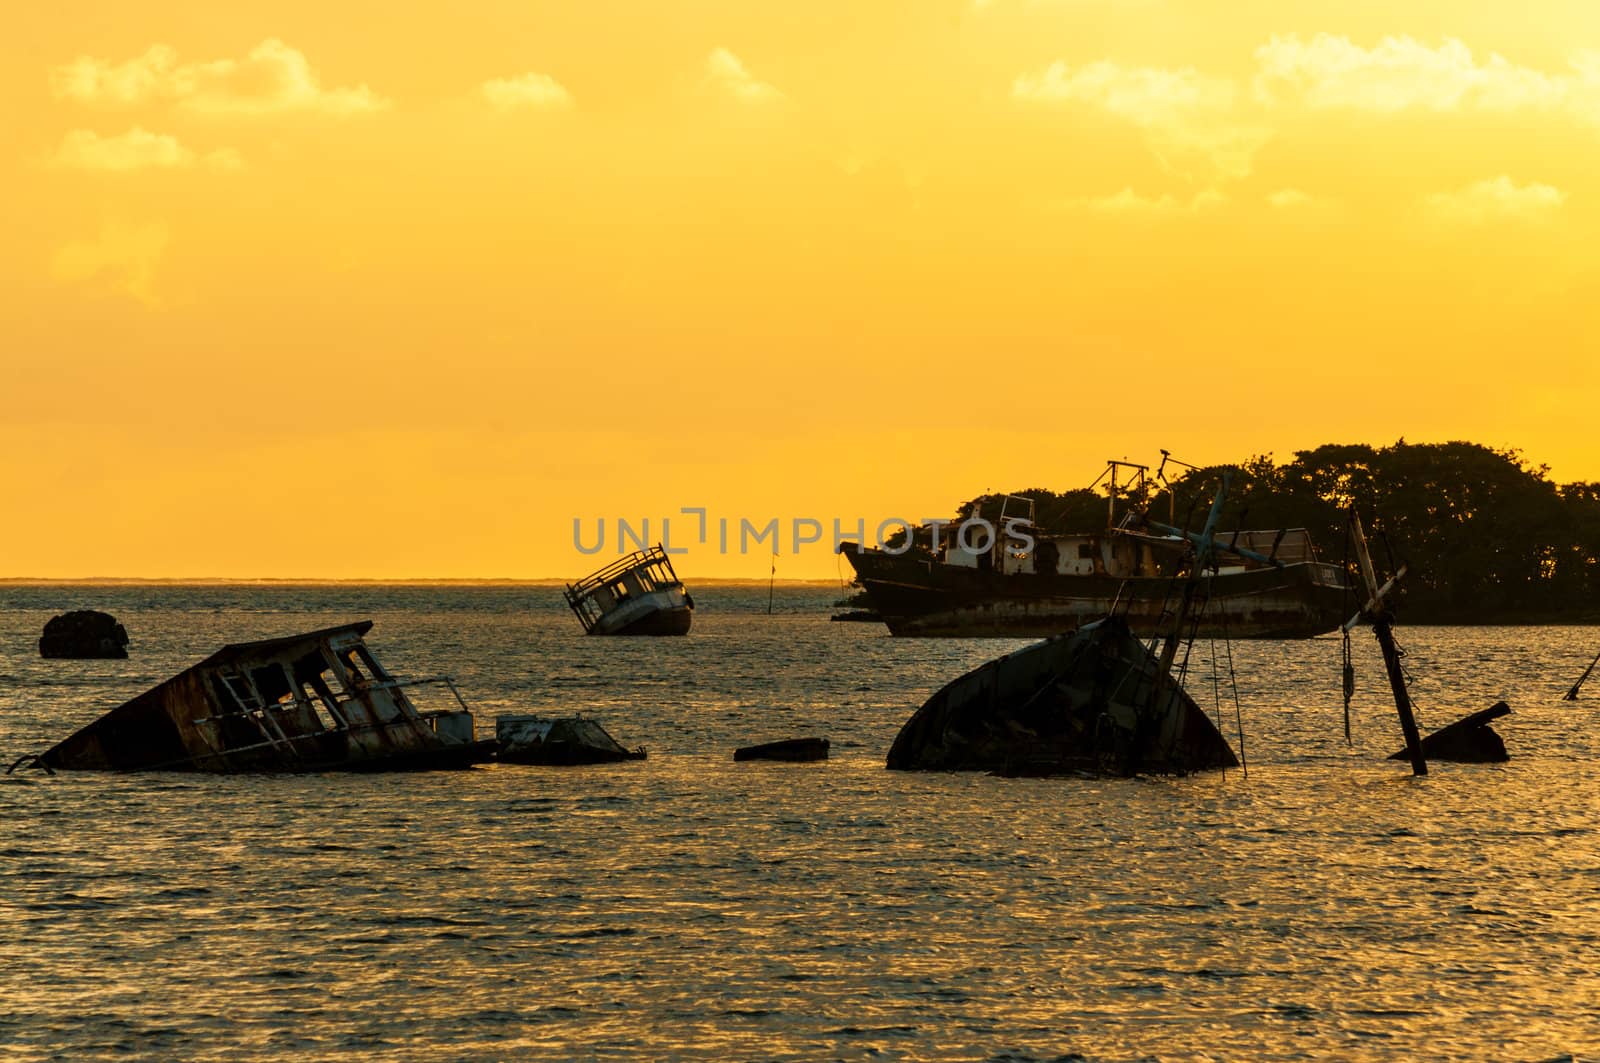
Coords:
pixel 313 702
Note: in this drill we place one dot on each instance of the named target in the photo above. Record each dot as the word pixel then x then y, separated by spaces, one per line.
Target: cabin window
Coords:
pixel 1085 551
pixel 232 693
pixel 619 590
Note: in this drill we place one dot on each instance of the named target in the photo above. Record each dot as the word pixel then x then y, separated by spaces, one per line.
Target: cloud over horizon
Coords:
pixel 273 78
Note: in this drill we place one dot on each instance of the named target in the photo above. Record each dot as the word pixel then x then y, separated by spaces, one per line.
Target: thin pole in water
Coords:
pixel 770 579
pixel 1572 695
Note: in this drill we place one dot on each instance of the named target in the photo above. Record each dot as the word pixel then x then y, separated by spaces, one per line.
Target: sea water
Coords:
pixel 1322 905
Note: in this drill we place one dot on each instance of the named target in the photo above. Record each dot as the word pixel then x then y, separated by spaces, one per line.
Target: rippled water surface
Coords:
pixel 1326 905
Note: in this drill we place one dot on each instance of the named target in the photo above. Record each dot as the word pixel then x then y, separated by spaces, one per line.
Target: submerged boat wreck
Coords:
pixel 635 595
pixel 1088 701
pixel 1022 581
pixel 531 739
pixel 313 702
pixel 1096 700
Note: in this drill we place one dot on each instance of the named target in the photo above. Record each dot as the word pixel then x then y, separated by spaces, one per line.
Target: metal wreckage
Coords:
pixel 319 701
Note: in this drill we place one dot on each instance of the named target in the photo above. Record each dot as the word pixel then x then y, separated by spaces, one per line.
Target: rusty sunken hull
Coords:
pixel 917 596
pixel 305 703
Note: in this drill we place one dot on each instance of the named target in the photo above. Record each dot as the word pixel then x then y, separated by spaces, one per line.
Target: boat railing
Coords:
pixel 586 586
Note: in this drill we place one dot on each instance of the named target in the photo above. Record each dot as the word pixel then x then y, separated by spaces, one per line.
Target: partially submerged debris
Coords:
pixel 791 749
pixel 313 702
pixel 635 595
pixel 1469 740
pixel 528 739
pixel 84 634
pixel 1095 700
pixel 1078 702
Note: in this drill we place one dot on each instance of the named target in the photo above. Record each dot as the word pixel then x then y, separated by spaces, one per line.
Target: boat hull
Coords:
pixel 674 620
pixel 1084 702
pixel 919 597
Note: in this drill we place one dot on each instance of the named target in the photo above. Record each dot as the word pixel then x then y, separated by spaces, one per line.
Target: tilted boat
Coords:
pixel 639 594
pixel 1095 700
pixel 318 701
pixel 1084 702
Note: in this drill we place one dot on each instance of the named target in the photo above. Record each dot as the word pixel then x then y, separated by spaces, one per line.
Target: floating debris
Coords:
pixel 85 634
pixel 635 595
pixel 530 739
pixel 313 702
pixel 791 749
pixel 1469 740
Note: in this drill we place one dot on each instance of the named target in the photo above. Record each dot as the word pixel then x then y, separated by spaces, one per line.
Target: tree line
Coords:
pixel 1486 537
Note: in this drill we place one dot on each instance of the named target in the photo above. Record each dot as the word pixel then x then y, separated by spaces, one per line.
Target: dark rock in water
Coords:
pixel 84 633
pixel 1078 702
pixel 543 740
pixel 792 749
pixel 1470 740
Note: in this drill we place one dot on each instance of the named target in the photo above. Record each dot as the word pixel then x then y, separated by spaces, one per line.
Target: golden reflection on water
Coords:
pixel 1328 906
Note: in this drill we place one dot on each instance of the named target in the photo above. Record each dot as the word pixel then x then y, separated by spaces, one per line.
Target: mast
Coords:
pixel 1205 552
pixel 1377 611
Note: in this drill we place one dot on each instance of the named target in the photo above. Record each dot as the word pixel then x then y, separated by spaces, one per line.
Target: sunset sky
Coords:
pixel 379 290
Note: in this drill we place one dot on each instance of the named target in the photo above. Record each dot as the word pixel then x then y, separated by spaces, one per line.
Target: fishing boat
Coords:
pixel 639 594
pixel 1000 575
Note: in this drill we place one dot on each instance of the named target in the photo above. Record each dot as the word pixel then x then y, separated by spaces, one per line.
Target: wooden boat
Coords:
pixel 635 595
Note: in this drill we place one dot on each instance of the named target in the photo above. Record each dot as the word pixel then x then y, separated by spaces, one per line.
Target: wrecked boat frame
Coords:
pixel 639 594
pixel 319 701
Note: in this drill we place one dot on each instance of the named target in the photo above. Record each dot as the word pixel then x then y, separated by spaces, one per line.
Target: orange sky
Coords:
pixel 390 291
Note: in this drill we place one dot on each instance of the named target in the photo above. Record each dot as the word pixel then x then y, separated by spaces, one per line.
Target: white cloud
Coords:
pixel 1145 96
pixel 272 78
pixel 1289 198
pixel 137 149
pixel 124 255
pixel 725 72
pixel 530 91
pixel 1402 73
pixel 1188 118
pixel 1498 199
pixel 1130 204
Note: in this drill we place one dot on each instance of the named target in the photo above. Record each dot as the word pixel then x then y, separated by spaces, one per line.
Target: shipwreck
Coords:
pixel 1096 700
pixel 532 739
pixel 635 595
pixel 313 702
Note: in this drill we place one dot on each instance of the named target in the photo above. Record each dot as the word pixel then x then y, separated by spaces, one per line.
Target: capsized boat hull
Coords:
pixel 1072 703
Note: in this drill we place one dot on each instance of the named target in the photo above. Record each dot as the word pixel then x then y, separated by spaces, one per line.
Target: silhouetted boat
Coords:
pixel 1083 702
pixel 313 702
pixel 1061 582
pixel 635 595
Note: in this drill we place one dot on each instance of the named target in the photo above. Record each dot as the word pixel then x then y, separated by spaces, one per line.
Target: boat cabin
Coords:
pixel 639 594
pixel 313 702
